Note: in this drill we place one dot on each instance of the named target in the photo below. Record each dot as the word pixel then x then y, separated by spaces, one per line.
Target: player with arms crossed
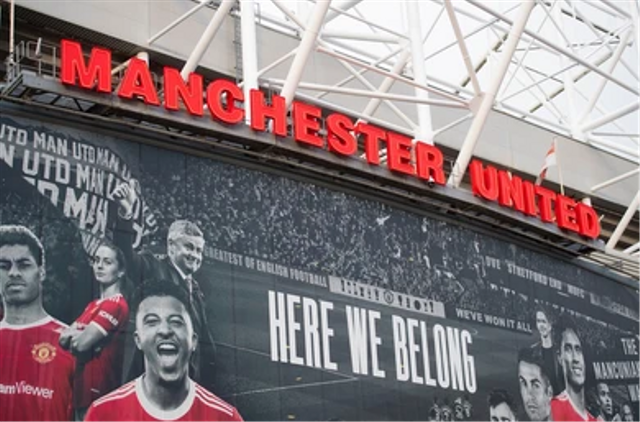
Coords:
pixel 96 337
pixel 570 405
pixel 36 375
pixel 165 335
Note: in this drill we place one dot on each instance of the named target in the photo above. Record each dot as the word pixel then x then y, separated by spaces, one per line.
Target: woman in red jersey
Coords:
pixel 95 338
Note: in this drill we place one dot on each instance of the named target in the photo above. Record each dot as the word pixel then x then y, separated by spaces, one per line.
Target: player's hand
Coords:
pixel 126 194
pixel 65 339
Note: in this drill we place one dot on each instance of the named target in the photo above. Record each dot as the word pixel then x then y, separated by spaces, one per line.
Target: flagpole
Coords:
pixel 555 147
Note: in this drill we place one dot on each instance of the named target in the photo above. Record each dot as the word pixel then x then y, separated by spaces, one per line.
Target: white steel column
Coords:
pixel 543 42
pixel 424 131
pixel 307 43
pixel 567 77
pixel 386 84
pixel 612 65
pixel 466 151
pixel 632 248
pixel 616 114
pixel 12 30
pixel 205 39
pixel 463 47
pixel 178 21
pixel 249 52
pixel 341 5
pixel 624 222
pixel 614 180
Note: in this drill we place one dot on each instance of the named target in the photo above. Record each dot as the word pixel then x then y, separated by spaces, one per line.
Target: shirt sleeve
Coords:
pixel 91 414
pixel 556 411
pixel 236 416
pixel 111 315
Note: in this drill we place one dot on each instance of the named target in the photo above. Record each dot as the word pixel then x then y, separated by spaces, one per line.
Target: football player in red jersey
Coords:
pixel 96 337
pixel 36 375
pixel 570 405
pixel 165 335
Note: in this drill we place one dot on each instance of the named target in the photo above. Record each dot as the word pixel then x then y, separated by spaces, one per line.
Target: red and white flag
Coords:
pixel 549 161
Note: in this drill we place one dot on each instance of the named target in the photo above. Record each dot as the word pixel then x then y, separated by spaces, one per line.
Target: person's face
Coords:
pixel 186 252
pixel 604 399
pixel 467 408
pixel 535 392
pixel 106 268
pixel 627 414
pixel 164 334
pixel 572 359
pixel 542 323
pixel 501 413
pixel 20 276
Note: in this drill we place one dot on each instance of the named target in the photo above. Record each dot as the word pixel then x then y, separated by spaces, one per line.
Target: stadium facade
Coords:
pixel 344 233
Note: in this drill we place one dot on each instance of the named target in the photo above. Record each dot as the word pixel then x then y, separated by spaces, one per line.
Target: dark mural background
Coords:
pixel 266 233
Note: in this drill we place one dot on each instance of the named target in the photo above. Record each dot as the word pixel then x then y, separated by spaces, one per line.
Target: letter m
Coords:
pixel 74 68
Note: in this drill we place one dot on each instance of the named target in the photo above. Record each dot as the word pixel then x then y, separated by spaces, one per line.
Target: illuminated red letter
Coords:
pixel 229 114
pixel 306 124
pixel 190 93
pixel 545 197
pixel 529 198
pixel 137 82
pixel 588 222
pixel 372 137
pixel 276 112
pixel 429 162
pixel 339 137
pixel 566 213
pixel 484 183
pixel 72 67
pixel 399 153
pixel 510 194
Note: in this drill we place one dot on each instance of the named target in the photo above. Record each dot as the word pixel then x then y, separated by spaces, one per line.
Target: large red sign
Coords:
pixel 404 156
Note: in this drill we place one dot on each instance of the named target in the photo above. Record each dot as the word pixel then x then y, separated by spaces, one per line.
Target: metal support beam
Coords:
pixel 616 114
pixel 614 146
pixel 612 65
pixel 249 52
pixel 632 248
pixel 305 48
pixel 424 131
pixel 386 84
pixel 370 94
pixel 178 21
pixel 12 33
pixel 624 222
pixel 463 47
pixel 361 36
pixel 386 73
pixel 342 6
pixel 206 38
pixel 614 180
pixel 557 48
pixel 466 151
pixel 617 8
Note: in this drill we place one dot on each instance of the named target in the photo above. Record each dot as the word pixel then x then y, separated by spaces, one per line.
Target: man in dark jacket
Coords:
pixel 185 245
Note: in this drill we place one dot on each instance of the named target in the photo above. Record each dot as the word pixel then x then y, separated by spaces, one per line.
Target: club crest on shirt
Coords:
pixel 43 352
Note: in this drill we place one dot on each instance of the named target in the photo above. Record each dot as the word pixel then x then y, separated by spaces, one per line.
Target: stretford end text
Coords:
pixel 417 159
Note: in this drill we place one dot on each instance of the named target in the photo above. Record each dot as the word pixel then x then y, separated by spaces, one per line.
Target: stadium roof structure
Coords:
pixel 436 69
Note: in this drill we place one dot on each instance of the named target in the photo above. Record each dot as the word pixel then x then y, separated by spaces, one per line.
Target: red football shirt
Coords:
pixel 129 403
pixel 562 409
pixel 36 374
pixel 102 373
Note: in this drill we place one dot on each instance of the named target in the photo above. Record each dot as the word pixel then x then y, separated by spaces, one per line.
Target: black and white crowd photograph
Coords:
pixel 141 283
